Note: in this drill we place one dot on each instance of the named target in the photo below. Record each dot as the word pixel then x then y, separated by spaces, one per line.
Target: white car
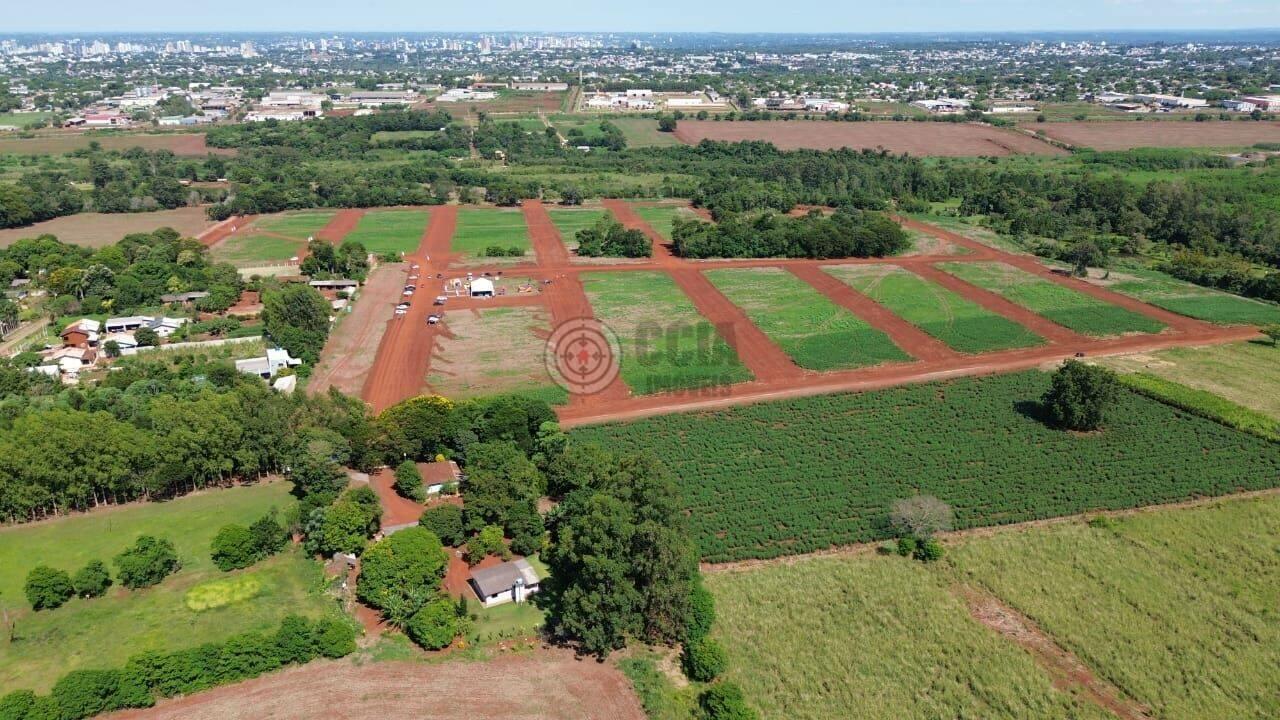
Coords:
pixel 403 306
pixel 440 299
pixel 433 319
pixel 401 312
pixel 408 293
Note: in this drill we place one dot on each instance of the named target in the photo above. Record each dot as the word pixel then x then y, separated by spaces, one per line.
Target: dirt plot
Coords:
pixel 179 143
pixel 1122 135
pixel 494 350
pixel 348 356
pixel 101 229
pixel 916 138
pixel 544 684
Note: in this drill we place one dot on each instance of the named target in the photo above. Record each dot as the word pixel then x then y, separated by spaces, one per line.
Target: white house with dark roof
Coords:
pixel 509 582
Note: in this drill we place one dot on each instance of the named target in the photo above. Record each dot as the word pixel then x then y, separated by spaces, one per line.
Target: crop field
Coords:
pixel 23 119
pixel 814 331
pixel 508 102
pixel 1246 373
pixel 960 323
pixel 1126 134
pixel 190 144
pixel 100 229
pixel 661 217
pixel 480 229
pixel 901 644
pixel 297 225
pixel 1191 300
pixel 1176 607
pixel 643 132
pixel 666 344
pixel 390 231
pixel 923 243
pixel 104 632
pixel 986 236
pixel 802 475
pixel 493 350
pixel 1062 305
pixel 271 239
pixel 915 138
pixel 569 222
pixel 590 129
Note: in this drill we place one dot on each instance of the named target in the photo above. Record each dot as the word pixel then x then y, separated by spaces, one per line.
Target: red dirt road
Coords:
pixel 349 354
pixel 547 245
pixel 396 510
pixel 224 229
pixel 916 138
pixel 400 368
pixel 538 685
pixel 342 222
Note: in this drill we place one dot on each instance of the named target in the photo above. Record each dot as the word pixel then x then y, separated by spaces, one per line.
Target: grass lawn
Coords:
pixel 961 324
pixel 480 229
pixel 666 343
pixel 104 632
pixel 493 350
pixel 569 222
pixel 662 217
pixel 1247 373
pixel 248 249
pixel 1062 305
pixel 1191 300
pixel 390 231
pixel 23 119
pixel 801 475
pixel 872 637
pixel 299 225
pixel 501 622
pixel 643 132
pixel 973 232
pixel 815 332
pixel 1176 607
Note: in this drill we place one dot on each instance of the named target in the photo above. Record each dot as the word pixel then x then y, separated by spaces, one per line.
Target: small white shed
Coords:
pixel 482 287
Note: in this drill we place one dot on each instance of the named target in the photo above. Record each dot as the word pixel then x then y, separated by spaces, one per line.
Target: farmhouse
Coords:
pixel 264 367
pixel 436 475
pixel 509 582
pixel 184 298
pixel 81 333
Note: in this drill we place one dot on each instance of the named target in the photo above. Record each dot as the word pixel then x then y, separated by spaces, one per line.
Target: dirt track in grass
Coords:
pixel 916 138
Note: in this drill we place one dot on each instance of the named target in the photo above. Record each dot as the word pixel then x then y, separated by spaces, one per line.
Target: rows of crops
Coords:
pixel 1069 308
pixel 815 332
pixel 390 231
pixel 569 222
pixel 802 475
pixel 480 229
pixel 666 344
pixel 663 217
pixel 1177 608
pixel 962 324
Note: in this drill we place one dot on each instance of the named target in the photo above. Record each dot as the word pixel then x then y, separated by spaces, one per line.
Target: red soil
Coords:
pixel 916 138
pixel 396 510
pixel 1125 134
pixel 224 229
pixel 342 222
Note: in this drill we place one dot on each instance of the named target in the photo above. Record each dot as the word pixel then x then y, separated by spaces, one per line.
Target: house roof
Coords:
pixel 334 283
pixel 439 473
pixel 130 320
pixel 500 578
pixel 184 297
pixel 481 285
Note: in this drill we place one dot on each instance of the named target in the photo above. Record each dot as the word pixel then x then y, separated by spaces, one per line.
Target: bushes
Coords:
pixel 236 546
pixel 409 481
pixel 610 239
pixel 1079 395
pixel 47 588
pixel 92 580
pixel 486 542
pixel 400 564
pixel 436 625
pixel 725 701
pixel 149 561
pixel 333 638
pixel 499 251
pixel 703 659
pixel 445 521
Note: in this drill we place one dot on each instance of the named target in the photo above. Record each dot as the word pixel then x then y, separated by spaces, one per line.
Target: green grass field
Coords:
pixel 801 475
pixel 815 332
pixel 1247 373
pixel 251 249
pixel 666 343
pixel 643 132
pixel 1176 607
pixel 1062 305
pixel 23 119
pixel 104 632
pixel 872 637
pixel 662 217
pixel 480 229
pixel 961 324
pixel 390 231
pixel 1191 300
pixel 569 222
pixel 299 225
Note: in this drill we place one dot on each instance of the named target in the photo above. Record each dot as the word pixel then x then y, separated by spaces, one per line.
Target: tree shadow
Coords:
pixel 1035 410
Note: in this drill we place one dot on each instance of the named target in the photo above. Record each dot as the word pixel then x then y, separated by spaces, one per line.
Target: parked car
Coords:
pixel 399 311
pixel 440 299
pixel 433 319
pixel 403 306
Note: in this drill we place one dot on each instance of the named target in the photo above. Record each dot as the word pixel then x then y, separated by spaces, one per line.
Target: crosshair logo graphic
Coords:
pixel 582 356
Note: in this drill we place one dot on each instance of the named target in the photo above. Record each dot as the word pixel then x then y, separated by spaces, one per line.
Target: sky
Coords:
pixel 851 16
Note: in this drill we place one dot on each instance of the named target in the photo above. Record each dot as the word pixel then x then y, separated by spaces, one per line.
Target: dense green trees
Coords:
pixel 296 317
pixel 622 564
pixel 445 522
pixel 1079 395
pixel 844 234
pixel 148 561
pixel 236 546
pixel 408 481
pixel 435 625
pixel 608 238
pixel 47 588
pixel 92 580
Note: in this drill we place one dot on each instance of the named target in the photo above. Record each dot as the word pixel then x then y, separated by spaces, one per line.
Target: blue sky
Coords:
pixel 854 16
